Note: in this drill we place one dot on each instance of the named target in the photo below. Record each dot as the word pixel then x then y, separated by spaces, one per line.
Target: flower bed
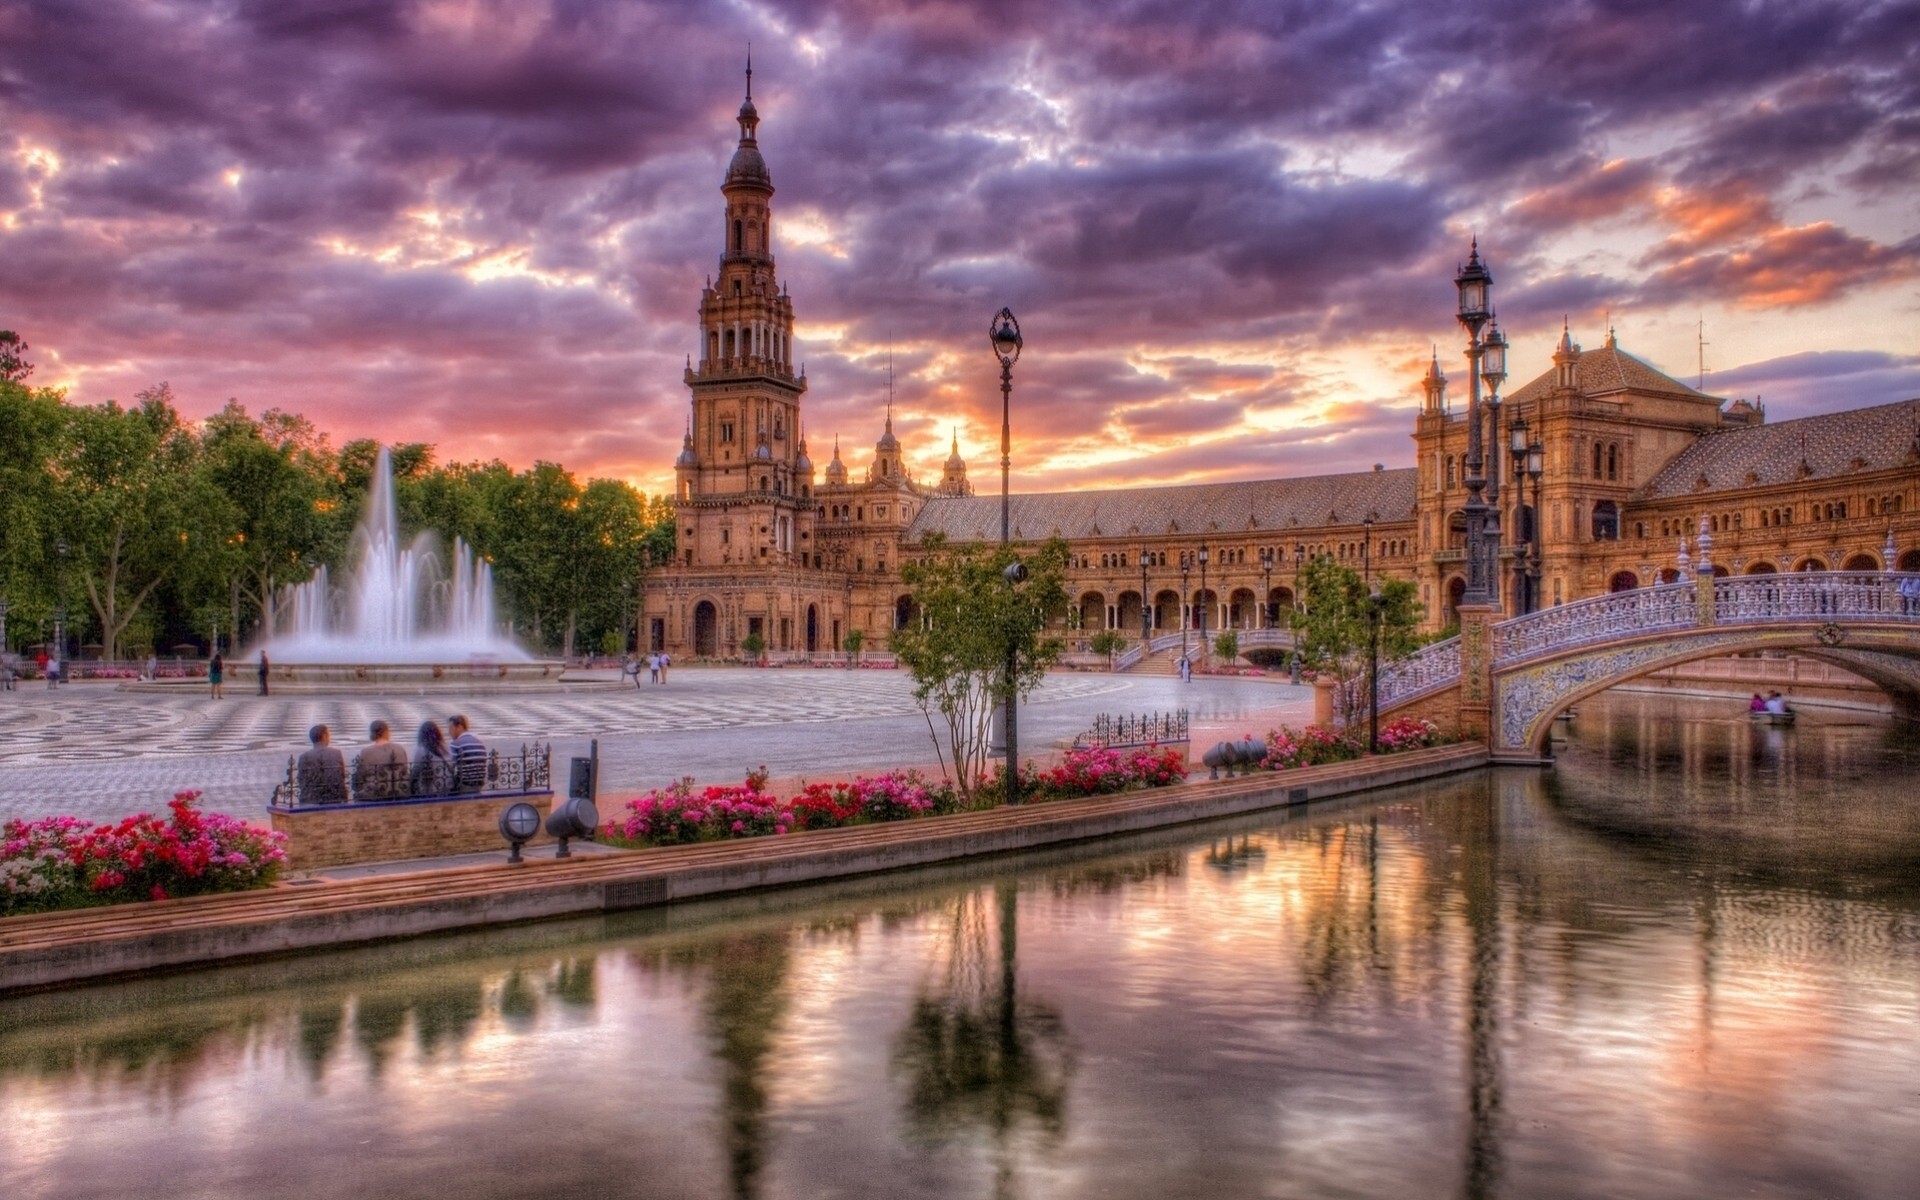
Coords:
pixel 680 813
pixel 64 862
pixel 1316 744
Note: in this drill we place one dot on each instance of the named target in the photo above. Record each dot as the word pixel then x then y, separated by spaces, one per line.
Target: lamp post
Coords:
pixel 1299 565
pixel 60 608
pixel 1475 283
pixel 1202 606
pixel 1523 529
pixel 1375 604
pixel 1266 587
pixel 1186 600
pixel 1536 467
pixel 1493 372
pixel 1004 334
pixel 1366 553
pixel 1146 610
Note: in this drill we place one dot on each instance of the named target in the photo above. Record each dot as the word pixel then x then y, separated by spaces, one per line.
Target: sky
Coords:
pixel 1228 228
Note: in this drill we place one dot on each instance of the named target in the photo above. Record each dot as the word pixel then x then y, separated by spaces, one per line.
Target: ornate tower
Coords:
pixel 744 486
pixel 953 481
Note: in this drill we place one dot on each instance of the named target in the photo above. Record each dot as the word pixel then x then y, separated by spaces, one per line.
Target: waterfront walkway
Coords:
pixel 69 947
pixel 93 751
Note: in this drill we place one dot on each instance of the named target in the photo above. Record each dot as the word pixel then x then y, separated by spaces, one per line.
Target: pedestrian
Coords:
pixel 380 770
pixel 469 756
pixel 666 660
pixel 320 775
pixel 216 668
pixel 53 670
pixel 6 671
pixel 653 668
pixel 1186 669
pixel 431 773
pixel 153 668
pixel 263 672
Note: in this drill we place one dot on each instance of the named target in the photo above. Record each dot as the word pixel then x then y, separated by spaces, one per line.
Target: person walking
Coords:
pixel 216 669
pixel 263 673
pixel 153 667
pixel 653 668
pixel 53 670
pixel 666 660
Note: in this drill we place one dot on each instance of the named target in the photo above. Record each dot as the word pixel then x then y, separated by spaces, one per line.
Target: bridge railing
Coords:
pixel 1596 619
pixel 1434 666
pixel 1817 596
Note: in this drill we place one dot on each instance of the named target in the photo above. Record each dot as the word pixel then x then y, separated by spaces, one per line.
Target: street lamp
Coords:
pixel 1475 284
pixel 1536 467
pixel 1146 610
pixel 1299 565
pixel 1186 600
pixel 1203 603
pixel 60 608
pixel 1376 604
pixel 1004 335
pixel 1366 553
pixel 1523 529
pixel 1267 614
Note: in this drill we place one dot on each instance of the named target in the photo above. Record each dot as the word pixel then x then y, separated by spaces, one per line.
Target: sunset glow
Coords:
pixel 1230 242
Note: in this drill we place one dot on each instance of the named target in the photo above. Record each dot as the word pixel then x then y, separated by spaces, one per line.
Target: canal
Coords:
pixel 1685 962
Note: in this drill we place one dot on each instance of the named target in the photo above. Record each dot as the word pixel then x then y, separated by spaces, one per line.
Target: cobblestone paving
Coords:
pixel 100 753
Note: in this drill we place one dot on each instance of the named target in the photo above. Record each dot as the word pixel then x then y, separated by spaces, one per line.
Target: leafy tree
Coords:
pixel 752 645
pixel 1331 625
pixel 32 431
pixel 14 366
pixel 971 617
pixel 275 497
pixel 1108 642
pixel 1227 645
pixel 133 505
pixel 855 639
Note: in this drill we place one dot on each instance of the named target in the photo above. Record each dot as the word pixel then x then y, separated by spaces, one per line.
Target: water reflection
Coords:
pixel 1683 963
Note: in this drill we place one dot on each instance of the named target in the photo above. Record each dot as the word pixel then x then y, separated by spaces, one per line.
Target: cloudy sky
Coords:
pixel 1228 227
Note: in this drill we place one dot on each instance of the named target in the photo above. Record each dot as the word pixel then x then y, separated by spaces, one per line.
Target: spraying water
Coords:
pixel 399 605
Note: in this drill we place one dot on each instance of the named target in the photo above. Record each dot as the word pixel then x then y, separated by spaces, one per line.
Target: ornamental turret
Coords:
pixel 953 480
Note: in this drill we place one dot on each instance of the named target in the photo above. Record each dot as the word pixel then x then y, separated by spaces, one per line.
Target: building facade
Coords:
pixel 1604 471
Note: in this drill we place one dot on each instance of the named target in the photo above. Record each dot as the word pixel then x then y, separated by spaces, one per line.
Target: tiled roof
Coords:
pixel 1611 369
pixel 1196 509
pixel 1834 444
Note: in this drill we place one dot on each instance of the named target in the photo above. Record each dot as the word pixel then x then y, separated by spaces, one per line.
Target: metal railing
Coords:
pixel 1144 729
pixel 1426 669
pixel 529 772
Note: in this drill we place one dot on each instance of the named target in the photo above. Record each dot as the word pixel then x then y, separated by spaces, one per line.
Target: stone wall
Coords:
pixel 330 835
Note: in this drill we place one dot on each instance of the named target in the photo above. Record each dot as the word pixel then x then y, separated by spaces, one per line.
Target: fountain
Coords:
pixel 402 621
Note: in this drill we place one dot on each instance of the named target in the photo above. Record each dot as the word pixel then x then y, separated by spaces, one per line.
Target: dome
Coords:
pixel 954 461
pixel 836 470
pixel 763 452
pixel 888 444
pixel 748 167
pixel 686 458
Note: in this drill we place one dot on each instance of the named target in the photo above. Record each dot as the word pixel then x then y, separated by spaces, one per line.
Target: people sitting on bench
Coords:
pixel 469 756
pixel 380 770
pixel 321 772
pixel 432 770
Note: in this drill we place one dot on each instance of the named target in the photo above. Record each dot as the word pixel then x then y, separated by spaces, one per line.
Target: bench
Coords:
pixel 329 832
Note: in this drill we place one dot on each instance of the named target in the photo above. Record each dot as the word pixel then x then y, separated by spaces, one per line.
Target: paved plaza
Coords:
pixel 95 751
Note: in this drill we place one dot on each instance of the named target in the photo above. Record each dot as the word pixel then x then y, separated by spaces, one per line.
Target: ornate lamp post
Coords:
pixel 1376 605
pixel 1004 334
pixel 1536 467
pixel 1299 565
pixel 1202 606
pixel 1146 609
pixel 1366 553
pixel 1475 284
pixel 1522 529
pixel 1186 599
pixel 60 607
pixel 1266 587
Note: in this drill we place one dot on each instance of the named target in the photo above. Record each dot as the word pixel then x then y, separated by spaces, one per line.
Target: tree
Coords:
pixel 1331 630
pixel 134 507
pixel 970 618
pixel 32 432
pixel 276 508
pixel 1108 642
pixel 751 646
pixel 855 639
pixel 14 367
pixel 1227 645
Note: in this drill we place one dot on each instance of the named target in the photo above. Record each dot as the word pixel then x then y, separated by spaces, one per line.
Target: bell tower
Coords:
pixel 743 485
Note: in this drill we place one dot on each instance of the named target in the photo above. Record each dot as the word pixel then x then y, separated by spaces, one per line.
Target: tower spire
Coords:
pixel 749 72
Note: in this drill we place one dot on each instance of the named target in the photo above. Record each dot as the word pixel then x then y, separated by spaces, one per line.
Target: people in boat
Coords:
pixel 1757 704
pixel 1776 703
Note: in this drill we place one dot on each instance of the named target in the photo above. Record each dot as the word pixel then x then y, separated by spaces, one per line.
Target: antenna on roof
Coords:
pixel 1701 349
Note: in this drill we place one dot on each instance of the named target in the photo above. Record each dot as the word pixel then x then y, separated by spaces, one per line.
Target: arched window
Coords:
pixel 1613 460
pixel 1596 460
pixel 1606 521
pixel 736 237
pixel 732 343
pixel 1449 470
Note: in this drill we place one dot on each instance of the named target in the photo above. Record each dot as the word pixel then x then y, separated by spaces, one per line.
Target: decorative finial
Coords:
pixel 749 72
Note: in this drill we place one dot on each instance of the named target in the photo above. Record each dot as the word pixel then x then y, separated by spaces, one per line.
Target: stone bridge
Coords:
pixel 1506 680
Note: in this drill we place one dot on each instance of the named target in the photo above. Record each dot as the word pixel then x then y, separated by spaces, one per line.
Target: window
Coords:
pixel 1606 521
pixel 1596 460
pixel 1613 460
pixel 1449 470
pixel 726 431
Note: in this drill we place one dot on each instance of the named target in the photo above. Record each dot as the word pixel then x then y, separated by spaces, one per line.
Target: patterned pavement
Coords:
pixel 97 752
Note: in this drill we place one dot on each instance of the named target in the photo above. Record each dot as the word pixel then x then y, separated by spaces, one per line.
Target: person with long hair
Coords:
pixel 431 773
pixel 216 668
